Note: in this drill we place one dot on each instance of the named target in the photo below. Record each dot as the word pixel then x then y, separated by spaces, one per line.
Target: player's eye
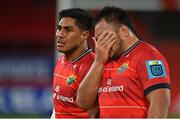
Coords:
pixel 59 27
pixel 68 29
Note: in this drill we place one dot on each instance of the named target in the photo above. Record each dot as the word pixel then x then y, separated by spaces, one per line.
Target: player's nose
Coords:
pixel 60 33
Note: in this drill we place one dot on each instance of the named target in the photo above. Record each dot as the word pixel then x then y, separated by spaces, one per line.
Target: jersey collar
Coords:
pixel 83 54
pixel 131 48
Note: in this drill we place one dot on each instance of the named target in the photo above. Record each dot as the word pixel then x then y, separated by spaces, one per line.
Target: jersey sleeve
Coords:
pixel 153 71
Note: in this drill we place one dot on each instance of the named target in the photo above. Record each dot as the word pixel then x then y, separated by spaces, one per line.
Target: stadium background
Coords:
pixel 28 54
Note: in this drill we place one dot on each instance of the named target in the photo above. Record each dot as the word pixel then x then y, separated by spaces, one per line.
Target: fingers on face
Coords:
pixel 110 44
pixel 94 39
pixel 109 39
pixel 106 38
pixel 100 39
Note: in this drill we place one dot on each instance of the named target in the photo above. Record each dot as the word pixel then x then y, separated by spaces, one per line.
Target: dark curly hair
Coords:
pixel 83 19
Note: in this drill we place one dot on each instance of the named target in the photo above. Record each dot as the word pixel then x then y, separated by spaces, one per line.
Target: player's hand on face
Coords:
pixel 103 44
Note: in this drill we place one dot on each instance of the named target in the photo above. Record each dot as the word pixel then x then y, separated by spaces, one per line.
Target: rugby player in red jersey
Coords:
pixel 72 33
pixel 130 78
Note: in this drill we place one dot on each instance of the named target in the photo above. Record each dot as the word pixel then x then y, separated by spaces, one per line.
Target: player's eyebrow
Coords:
pixel 58 27
pixel 64 27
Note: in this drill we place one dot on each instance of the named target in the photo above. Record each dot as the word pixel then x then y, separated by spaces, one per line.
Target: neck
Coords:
pixel 76 53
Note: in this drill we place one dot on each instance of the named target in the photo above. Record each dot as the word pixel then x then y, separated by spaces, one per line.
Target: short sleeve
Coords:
pixel 153 71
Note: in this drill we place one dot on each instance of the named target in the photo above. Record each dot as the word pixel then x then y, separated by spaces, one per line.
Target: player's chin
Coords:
pixel 113 56
pixel 60 49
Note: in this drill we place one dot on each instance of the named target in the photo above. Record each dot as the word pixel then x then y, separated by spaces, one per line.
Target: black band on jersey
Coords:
pixel 131 48
pixel 156 86
pixel 83 54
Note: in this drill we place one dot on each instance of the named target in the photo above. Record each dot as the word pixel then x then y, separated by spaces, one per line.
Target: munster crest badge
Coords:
pixel 70 79
pixel 123 67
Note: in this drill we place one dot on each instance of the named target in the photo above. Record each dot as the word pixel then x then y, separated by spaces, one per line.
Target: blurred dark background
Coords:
pixel 28 54
pixel 27 30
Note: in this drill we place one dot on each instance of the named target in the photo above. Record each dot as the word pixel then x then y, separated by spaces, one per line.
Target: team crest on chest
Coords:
pixel 123 67
pixel 70 79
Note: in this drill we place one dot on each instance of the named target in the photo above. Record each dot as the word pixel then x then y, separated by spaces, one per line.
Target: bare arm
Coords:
pixel 159 103
pixel 94 112
pixel 88 89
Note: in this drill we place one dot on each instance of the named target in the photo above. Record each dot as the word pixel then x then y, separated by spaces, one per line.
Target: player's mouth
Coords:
pixel 60 43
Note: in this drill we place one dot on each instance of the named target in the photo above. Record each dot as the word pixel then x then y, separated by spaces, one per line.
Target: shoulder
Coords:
pixel 149 51
pixel 146 47
pixel 90 56
pixel 148 56
pixel 87 59
pixel 60 58
pixel 59 62
pixel 86 62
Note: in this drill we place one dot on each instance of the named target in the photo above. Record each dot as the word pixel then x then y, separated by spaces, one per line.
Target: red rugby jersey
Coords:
pixel 127 81
pixel 67 77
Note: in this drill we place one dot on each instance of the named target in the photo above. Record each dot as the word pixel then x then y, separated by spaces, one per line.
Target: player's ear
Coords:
pixel 124 32
pixel 85 35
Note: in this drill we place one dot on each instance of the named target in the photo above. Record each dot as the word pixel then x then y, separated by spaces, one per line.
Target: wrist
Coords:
pixel 100 60
pixel 99 63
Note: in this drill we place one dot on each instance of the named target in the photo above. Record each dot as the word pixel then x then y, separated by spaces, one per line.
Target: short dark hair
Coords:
pixel 83 19
pixel 113 14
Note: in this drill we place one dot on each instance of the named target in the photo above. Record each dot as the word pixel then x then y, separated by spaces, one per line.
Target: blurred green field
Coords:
pixel 173 116
pixel 23 116
pixel 48 116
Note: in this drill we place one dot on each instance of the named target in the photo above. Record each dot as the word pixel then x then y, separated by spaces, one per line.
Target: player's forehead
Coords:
pixel 102 26
pixel 67 22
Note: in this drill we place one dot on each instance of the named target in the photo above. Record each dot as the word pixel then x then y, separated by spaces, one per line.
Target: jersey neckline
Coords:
pixel 131 48
pixel 83 54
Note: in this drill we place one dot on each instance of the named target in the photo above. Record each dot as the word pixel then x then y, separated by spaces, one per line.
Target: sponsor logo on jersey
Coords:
pixel 155 69
pixel 61 97
pixel 109 81
pixel 111 89
pixel 70 79
pixel 123 67
pixel 65 99
pixel 54 95
pixel 57 88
